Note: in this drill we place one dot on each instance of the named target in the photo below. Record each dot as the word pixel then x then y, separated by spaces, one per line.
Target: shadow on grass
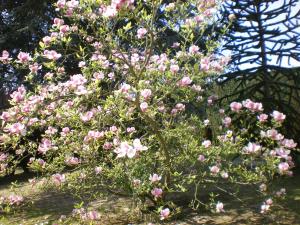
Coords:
pixel 50 205
pixel 45 206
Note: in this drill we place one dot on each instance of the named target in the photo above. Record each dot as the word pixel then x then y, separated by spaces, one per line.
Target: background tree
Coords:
pixel 22 24
pixel 264 43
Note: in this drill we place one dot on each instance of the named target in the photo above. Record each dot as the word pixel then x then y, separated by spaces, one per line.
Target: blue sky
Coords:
pixel 283 28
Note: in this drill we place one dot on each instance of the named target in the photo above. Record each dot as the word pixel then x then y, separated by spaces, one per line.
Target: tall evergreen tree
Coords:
pixel 264 44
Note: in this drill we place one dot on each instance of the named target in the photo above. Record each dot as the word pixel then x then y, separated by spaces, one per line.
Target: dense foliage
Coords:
pixel 120 122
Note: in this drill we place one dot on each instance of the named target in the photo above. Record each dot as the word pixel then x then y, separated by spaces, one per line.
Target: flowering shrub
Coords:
pixel 123 122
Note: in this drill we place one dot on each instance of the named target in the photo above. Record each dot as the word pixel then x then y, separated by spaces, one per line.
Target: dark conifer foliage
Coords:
pixel 264 40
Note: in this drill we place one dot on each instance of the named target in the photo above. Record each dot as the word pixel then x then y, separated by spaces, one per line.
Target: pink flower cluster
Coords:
pixel 115 6
pixel 125 149
pixel 94 135
pixel 86 215
pixel 13 200
pixel 45 146
pixel 5 57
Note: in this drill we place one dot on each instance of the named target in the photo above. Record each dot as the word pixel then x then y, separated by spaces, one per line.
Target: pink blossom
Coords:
pixel 51 130
pixel 205 64
pixel 19 95
pixel 162 108
pixel 289 143
pixel 17 128
pixel 219 207
pixel 111 76
pixel 199 18
pixel 64 29
pixel 269 201
pixel 278 116
pixel 175 45
pixel 23 57
pixel 81 64
pixel 262 118
pixel 15 199
pixel 146 93
pixel 107 145
pixel 154 178
pixel 98 76
pixel 252 106
pixel 72 161
pixel 136 182
pixel 94 135
pixel 125 150
pixel 141 32
pixel 72 4
pixel 58 179
pixel 283 167
pixel 227 121
pixel 65 131
pixel 81 90
pixel 281 192
pixel 217 66
pixel 201 158
pixel 144 106
pixel 274 135
pixel 222 111
pixel 34 68
pixel 113 129
pixel 93 215
pixel 157 192
pixel 236 106
pixel 130 129
pixel 164 213
pixel 263 187
pixel 162 67
pixel 174 68
pixel 87 116
pixel 184 82
pixel 264 208
pixel 206 143
pixel 49 75
pixel 193 49
pixel 45 146
pixel 61 4
pixel 5 57
pixel 76 80
pixel 125 88
pixel 98 170
pixel 252 148
pixel 197 88
pixel 51 54
pixel 224 175
pixel 5 116
pixel 206 122
pixel 180 107
pixel 137 145
pixel 174 111
pixel 119 4
pixel 214 170
pixel 57 22
pixel 110 11
pixel 3 157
